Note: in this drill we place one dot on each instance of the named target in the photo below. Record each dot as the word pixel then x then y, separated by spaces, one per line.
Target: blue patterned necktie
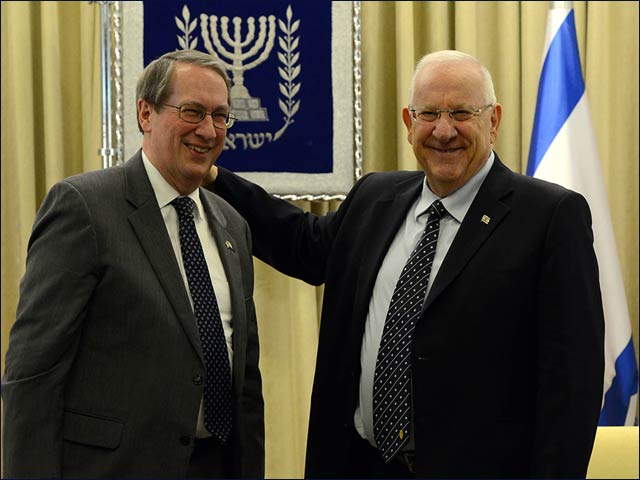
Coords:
pixel 392 377
pixel 217 389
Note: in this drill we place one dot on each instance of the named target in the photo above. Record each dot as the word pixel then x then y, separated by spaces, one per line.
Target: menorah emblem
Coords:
pixel 243 104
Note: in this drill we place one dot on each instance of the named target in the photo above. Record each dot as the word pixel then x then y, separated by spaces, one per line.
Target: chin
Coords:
pixel 446 171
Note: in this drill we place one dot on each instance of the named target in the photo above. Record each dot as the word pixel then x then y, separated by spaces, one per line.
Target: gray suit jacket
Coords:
pixel 103 359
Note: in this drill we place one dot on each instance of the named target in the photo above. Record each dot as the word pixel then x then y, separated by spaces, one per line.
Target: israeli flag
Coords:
pixel 563 150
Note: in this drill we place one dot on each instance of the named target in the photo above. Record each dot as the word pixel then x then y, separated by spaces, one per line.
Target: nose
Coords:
pixel 206 129
pixel 444 128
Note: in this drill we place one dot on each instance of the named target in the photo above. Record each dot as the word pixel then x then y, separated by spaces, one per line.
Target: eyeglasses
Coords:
pixel 193 114
pixel 425 115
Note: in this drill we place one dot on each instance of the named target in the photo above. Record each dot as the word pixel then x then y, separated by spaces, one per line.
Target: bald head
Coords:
pixel 454 59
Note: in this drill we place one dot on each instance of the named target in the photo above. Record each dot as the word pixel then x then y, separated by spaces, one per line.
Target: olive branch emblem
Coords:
pixel 288 68
pixel 186 28
pixel 289 71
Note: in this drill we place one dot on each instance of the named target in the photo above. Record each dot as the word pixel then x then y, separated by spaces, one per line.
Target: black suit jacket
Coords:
pixel 104 366
pixel 508 353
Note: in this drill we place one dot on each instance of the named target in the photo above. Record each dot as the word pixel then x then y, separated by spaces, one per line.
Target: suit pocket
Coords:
pixel 92 430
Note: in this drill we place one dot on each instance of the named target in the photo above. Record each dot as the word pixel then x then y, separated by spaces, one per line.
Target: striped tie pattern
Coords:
pixel 217 389
pixel 392 378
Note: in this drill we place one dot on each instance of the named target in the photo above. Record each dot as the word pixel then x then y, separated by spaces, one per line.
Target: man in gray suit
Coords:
pixel 105 372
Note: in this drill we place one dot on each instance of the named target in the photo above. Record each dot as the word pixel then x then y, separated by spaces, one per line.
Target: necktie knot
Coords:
pixel 184 207
pixel 436 209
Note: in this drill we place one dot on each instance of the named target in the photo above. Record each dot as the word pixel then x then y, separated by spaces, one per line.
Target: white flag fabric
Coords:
pixel 563 150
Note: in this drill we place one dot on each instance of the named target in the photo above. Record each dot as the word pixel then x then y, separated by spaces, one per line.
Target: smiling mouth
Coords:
pixel 446 150
pixel 196 148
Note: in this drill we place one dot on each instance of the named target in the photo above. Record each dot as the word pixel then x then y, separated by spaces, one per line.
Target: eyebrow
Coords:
pixel 220 109
pixel 431 107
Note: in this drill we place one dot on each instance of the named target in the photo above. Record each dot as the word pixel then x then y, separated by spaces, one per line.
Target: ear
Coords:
pixel 145 109
pixel 406 118
pixel 496 116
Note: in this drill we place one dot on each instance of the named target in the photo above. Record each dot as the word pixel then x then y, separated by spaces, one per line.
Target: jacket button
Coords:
pixel 197 380
pixel 185 440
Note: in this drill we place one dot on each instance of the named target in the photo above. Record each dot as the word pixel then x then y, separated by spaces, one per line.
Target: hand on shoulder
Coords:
pixel 211 176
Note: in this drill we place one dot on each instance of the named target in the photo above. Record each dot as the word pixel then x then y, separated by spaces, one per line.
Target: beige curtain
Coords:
pixel 50 118
pixel 51 129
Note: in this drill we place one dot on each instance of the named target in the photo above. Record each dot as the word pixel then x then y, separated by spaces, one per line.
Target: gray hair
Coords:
pixel 155 83
pixel 450 56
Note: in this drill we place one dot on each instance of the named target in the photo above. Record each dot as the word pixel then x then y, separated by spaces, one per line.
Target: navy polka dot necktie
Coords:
pixel 217 389
pixel 392 377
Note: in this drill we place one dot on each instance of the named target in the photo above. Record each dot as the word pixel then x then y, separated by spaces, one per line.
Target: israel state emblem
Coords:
pixel 241 45
pixel 279 58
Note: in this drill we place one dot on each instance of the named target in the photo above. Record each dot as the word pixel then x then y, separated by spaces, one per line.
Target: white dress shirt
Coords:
pixel 457 205
pixel 165 194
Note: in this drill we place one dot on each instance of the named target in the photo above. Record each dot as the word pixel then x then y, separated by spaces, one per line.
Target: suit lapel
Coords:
pixel 148 225
pixel 389 212
pixel 473 232
pixel 228 251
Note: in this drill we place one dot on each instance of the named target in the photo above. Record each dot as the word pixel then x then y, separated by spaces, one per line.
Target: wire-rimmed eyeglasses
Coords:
pixel 194 114
pixel 429 115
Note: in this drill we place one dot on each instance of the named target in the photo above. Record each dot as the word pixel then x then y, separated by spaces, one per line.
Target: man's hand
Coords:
pixel 211 176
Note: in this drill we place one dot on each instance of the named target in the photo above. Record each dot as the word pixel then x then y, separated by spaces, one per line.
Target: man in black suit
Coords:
pixel 505 357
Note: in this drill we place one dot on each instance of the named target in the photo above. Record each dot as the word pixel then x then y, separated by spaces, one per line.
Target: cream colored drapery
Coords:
pixel 51 129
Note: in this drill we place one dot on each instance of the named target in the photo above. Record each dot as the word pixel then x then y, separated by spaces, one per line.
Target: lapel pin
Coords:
pixel 485 219
pixel 227 244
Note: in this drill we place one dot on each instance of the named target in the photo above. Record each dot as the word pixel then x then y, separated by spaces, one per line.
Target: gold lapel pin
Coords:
pixel 227 243
pixel 485 219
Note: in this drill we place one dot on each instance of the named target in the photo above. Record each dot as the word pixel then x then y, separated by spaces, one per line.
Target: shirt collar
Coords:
pixel 163 190
pixel 458 202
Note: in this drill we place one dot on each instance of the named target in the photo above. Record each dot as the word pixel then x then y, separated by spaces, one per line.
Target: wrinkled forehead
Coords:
pixel 449 84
